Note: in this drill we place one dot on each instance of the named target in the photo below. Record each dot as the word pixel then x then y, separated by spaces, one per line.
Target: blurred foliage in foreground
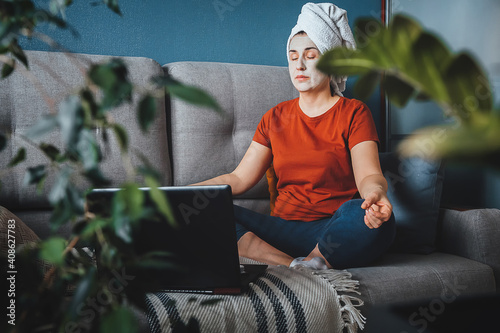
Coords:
pixel 413 63
pixel 71 294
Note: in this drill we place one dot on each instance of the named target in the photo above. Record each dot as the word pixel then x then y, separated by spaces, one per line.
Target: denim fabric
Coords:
pixel 344 239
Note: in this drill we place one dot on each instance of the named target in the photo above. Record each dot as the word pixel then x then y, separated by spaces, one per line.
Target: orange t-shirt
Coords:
pixel 311 156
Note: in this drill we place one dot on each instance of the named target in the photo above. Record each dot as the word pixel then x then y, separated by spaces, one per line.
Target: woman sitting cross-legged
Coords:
pixel 331 209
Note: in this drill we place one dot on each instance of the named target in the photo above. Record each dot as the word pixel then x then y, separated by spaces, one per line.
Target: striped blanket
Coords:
pixel 282 300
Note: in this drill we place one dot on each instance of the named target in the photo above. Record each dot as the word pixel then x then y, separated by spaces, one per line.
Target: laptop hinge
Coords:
pixel 227 291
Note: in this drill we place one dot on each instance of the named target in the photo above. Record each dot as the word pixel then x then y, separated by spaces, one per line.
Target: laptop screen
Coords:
pixel 203 245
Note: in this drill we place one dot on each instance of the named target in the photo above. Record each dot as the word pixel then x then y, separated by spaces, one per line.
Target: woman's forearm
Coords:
pixel 372 183
pixel 248 173
pixel 226 179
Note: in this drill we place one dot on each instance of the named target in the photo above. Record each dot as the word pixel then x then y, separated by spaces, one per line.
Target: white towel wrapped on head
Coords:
pixel 327 26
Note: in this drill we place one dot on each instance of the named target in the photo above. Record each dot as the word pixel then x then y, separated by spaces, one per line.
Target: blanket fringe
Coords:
pixel 342 280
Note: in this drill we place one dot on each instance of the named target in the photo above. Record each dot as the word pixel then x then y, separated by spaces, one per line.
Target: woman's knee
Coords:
pixel 352 206
pixel 240 231
pixel 349 216
pixel 348 242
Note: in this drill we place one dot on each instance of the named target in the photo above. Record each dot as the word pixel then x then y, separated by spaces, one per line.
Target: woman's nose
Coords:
pixel 301 64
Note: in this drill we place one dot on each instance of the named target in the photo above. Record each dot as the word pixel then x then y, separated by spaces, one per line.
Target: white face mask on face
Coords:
pixel 302 60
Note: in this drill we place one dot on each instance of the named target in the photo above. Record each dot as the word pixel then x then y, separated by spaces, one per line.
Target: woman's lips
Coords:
pixel 301 77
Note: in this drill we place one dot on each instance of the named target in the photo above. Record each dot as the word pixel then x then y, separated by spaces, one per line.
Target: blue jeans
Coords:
pixel 344 239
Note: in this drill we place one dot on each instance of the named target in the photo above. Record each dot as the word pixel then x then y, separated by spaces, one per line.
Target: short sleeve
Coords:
pixel 262 132
pixel 362 127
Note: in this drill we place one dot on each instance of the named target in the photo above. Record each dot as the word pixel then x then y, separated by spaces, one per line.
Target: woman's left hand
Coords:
pixel 371 183
pixel 377 208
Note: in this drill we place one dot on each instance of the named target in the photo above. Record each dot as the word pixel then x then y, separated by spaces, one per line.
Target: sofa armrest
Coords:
pixel 473 234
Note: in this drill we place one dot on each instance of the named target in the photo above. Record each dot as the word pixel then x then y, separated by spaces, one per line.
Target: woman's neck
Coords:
pixel 315 104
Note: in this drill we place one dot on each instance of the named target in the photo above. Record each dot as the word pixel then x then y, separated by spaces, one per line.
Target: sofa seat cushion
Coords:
pixel 408 277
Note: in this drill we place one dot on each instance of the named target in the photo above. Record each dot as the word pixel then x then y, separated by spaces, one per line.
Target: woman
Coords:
pixel 324 150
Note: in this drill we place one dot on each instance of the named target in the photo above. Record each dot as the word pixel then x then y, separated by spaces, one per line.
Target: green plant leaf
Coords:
pixel 44 126
pixel 112 78
pixel 88 150
pixel 147 170
pixel 7 69
pixel 70 119
pixel 113 5
pixel 194 96
pixel 58 191
pixel 18 52
pixel 103 75
pixel 366 31
pixel 133 200
pixel 51 152
pixel 121 136
pixel 372 41
pixel 75 199
pixel 79 226
pixel 186 93
pixel 127 208
pixel 415 63
pixel 403 33
pixel 431 57
pixel 163 81
pixel 90 105
pixel 399 92
pixel 59 6
pixel 61 214
pixel 342 61
pixel 96 177
pixel 52 250
pixel 161 201
pixel 422 97
pixel 110 255
pixel 20 157
pixel 468 86
pixel 477 141
pixel 120 319
pixel 93 226
pixel 85 288
pixel 366 84
pixel 146 112
pixel 3 141
pixel 67 200
pixel 35 175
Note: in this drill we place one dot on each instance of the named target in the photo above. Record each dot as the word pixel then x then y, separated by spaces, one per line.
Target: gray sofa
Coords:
pixel 190 144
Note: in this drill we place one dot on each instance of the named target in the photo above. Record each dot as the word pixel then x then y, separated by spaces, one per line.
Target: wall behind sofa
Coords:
pixel 237 31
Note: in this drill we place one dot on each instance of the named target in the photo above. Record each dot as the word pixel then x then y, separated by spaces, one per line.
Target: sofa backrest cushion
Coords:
pixel 26 96
pixel 414 190
pixel 206 144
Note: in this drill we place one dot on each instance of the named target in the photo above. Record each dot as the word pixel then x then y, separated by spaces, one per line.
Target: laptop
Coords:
pixel 203 245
